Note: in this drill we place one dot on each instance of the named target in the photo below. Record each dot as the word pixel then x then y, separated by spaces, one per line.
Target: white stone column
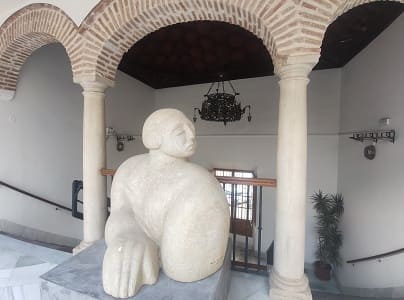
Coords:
pixel 94 159
pixel 287 279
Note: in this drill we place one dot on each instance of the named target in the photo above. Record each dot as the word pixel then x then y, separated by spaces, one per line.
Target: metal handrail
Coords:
pixel 35 196
pixel 378 256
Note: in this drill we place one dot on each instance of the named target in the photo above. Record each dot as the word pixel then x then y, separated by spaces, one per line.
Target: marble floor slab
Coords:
pixel 245 286
pixel 22 263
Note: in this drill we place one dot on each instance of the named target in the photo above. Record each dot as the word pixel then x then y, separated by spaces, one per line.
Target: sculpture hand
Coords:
pixel 128 265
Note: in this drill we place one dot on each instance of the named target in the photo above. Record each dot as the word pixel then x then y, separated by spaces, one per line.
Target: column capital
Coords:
pixel 295 67
pixel 94 84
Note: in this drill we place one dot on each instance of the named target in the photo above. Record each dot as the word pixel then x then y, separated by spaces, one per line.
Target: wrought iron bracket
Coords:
pixel 375 136
pixel 120 138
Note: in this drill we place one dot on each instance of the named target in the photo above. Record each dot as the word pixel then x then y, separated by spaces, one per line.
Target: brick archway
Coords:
pixel 114 26
pixel 25 31
pixel 316 15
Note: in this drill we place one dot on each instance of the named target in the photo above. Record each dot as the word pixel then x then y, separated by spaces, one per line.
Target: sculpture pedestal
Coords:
pixel 80 278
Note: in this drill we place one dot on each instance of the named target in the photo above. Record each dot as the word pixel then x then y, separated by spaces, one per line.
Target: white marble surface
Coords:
pixel 21 264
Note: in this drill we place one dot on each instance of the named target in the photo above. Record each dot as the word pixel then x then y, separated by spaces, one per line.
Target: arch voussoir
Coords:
pixel 115 25
pixel 28 29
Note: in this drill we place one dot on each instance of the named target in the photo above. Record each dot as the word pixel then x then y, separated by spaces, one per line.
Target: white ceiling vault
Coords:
pixel 76 9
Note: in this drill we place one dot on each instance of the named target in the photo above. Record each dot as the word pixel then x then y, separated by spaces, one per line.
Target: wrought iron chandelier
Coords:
pixel 221 106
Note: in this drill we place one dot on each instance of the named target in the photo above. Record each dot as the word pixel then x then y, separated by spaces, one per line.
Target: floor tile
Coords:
pixel 29 274
pixel 244 286
pixel 8 258
pixel 28 261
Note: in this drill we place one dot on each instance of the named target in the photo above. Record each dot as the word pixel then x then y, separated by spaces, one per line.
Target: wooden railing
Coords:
pixel 266 182
pixel 249 181
pixel 108 172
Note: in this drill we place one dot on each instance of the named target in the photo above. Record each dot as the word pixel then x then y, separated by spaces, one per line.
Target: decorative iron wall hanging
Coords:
pixel 373 136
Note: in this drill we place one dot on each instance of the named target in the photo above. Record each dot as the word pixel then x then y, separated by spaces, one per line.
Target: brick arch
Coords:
pixel 314 17
pixel 114 26
pixel 25 31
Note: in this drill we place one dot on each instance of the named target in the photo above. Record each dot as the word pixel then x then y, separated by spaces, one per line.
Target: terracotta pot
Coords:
pixel 322 270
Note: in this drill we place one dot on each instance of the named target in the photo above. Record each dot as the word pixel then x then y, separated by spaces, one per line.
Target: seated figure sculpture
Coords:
pixel 165 211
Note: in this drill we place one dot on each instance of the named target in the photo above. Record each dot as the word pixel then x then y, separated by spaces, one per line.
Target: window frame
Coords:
pixel 254 189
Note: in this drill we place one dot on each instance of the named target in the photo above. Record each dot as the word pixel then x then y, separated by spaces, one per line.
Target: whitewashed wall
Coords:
pixel 41 138
pixel 373 88
pixel 252 146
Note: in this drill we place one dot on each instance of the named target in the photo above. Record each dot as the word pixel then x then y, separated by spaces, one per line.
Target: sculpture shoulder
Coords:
pixel 201 186
pixel 197 169
pixel 129 165
pixel 198 174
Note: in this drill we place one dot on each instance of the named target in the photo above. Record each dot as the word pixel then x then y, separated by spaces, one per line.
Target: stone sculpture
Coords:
pixel 164 211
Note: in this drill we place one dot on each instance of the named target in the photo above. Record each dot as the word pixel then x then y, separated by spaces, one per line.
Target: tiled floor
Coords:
pixel 22 263
pixel 245 286
pixel 252 287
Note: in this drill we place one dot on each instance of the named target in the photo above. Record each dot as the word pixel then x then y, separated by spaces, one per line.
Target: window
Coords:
pixel 243 195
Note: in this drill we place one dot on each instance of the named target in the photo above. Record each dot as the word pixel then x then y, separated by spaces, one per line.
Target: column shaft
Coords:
pixel 287 277
pixel 291 176
pixel 94 159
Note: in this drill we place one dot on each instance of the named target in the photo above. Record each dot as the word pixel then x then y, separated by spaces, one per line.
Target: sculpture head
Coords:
pixel 170 131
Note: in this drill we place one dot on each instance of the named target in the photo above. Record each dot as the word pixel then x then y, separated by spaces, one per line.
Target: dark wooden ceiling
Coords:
pixel 197 52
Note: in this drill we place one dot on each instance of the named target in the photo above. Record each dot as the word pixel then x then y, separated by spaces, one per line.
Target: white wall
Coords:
pixel 373 223
pixel 41 138
pixel 252 146
pixel 128 103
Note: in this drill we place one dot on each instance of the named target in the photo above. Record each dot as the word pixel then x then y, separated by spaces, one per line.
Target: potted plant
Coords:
pixel 329 210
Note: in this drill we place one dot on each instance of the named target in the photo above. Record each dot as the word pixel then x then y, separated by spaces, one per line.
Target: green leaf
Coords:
pixel 329 210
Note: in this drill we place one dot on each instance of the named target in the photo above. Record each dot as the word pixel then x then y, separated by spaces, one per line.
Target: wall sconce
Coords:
pixel 120 138
pixel 374 136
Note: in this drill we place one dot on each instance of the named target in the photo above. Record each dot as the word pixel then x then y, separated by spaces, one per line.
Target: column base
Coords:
pixel 281 288
pixel 82 246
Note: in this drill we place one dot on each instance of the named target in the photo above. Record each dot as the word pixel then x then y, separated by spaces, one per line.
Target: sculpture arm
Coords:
pixel 131 258
pixel 122 226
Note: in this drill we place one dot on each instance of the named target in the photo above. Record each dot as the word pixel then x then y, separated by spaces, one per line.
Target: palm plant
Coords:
pixel 329 210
